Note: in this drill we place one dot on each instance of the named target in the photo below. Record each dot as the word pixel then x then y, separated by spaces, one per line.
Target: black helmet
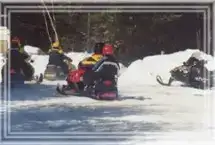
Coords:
pixel 98 47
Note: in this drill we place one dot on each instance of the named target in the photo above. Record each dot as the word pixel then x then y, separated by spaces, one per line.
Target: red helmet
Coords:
pixel 16 40
pixel 107 49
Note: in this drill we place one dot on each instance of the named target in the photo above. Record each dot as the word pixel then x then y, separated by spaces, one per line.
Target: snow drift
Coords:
pixel 144 71
pixel 31 50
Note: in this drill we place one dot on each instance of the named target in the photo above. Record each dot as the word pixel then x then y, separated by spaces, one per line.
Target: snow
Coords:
pixel 145 71
pixel 31 50
pixel 166 113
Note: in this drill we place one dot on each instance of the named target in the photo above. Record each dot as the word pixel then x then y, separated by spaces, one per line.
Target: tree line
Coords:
pixel 133 35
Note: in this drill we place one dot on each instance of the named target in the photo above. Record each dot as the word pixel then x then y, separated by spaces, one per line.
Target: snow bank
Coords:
pixel 144 71
pixel 31 50
pixel 40 63
pixel 77 56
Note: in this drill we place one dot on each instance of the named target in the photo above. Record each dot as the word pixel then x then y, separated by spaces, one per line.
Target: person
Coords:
pixel 74 77
pixel 19 59
pixel 58 58
pixel 199 76
pixel 106 69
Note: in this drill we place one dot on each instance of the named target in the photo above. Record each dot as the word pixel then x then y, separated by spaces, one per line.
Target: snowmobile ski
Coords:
pixel 140 98
pixel 160 81
pixel 63 92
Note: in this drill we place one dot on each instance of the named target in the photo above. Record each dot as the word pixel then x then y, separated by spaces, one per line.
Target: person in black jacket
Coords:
pixel 106 69
pixel 18 59
pixel 58 58
pixel 199 75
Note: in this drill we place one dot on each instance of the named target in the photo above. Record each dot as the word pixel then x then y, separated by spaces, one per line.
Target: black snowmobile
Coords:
pixel 58 66
pixel 100 90
pixel 18 74
pixel 54 72
pixel 195 75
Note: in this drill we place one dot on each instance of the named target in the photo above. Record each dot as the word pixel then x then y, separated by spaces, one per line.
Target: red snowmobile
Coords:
pixel 101 89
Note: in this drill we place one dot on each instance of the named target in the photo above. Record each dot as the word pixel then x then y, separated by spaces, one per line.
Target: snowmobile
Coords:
pixel 100 90
pixel 17 77
pixel 189 76
pixel 55 72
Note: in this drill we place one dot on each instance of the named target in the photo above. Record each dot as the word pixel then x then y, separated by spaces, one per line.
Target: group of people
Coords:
pixel 100 65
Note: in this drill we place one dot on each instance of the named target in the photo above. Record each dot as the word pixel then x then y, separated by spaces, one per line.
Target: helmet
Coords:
pixel 56 45
pixel 15 42
pixel 98 47
pixel 107 49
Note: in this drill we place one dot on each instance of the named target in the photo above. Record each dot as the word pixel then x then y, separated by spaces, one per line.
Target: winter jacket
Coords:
pixel 89 62
pixel 107 68
pixel 57 57
pixel 17 59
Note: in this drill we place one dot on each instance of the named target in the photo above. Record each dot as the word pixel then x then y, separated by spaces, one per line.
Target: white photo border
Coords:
pixel 7 97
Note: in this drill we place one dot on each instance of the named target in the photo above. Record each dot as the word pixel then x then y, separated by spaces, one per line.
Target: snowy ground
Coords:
pixel 166 113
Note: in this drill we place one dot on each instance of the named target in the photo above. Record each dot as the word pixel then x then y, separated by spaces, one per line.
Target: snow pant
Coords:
pixel 18 64
pixel 90 77
pixel 26 68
